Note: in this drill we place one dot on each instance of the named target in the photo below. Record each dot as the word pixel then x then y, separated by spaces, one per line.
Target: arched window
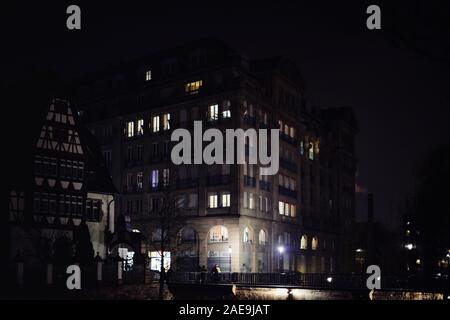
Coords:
pixel 247 235
pixel 304 242
pixel 218 234
pixel 262 237
pixel 315 243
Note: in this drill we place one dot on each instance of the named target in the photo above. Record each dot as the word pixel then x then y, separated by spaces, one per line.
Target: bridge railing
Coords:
pixel 306 280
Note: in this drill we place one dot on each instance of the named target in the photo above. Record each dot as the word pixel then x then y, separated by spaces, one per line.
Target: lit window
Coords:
pixel 213 112
pixel 247 235
pixel 251 201
pixel 212 201
pixel 302 151
pixel 155 123
pixel 130 129
pixel 314 243
pixel 218 234
pixel 140 126
pixel 148 75
pixel 193 87
pixel 155 179
pixel 292 132
pixel 166 177
pixel 166 121
pixel 281 207
pixel 262 237
pixel 304 242
pixel 226 197
pixel 226 109
pixel 311 151
pixel 293 210
pixel 155 260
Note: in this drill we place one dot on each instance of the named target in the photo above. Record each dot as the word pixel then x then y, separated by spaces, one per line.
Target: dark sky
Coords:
pixel 399 88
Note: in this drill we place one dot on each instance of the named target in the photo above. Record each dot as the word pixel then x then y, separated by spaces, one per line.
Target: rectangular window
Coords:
pixel 129 181
pixel 155 149
pixel 166 177
pixel 293 210
pixel 251 201
pixel 266 204
pixel 154 179
pixel 292 132
pixel 281 207
pixel 213 112
pixel 226 197
pixel 193 87
pixel 148 75
pixel 226 109
pixel 166 121
pixel 130 129
pixel 139 180
pixel 193 200
pixel 107 156
pixel 155 124
pixel 140 127
pixel 212 201
pixel 139 152
pixel 261 205
pixel 245 199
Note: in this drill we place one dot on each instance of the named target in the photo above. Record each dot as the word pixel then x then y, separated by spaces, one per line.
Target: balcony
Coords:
pixel 250 181
pixel 265 185
pixel 132 189
pixel 186 183
pixel 217 180
pixel 289 165
pixel 287 192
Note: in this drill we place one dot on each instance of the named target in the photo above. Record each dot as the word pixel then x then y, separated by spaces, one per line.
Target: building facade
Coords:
pixel 60 192
pixel 296 220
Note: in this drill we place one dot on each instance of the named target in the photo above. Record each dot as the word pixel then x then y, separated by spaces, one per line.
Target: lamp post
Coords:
pixel 229 256
pixel 280 251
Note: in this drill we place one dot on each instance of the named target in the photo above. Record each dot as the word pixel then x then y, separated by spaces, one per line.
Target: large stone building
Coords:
pixel 296 220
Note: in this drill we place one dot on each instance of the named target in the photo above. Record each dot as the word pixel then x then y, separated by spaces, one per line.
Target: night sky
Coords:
pixel 396 79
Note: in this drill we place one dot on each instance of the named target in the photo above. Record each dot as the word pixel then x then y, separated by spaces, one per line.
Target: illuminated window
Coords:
pixel 292 132
pixel 293 210
pixel 166 121
pixel 212 201
pixel 130 129
pixel 262 237
pixel 155 124
pixel 193 87
pixel 148 75
pixel 226 109
pixel 311 151
pixel 166 177
pixel 226 197
pixel 155 179
pixel 281 207
pixel 155 260
pixel 213 112
pixel 304 242
pixel 251 201
pixel 314 243
pixel 247 238
pixel 302 150
pixel 140 127
pixel 218 234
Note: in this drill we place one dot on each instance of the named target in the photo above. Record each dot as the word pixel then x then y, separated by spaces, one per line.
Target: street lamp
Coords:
pixel 280 251
pixel 229 255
